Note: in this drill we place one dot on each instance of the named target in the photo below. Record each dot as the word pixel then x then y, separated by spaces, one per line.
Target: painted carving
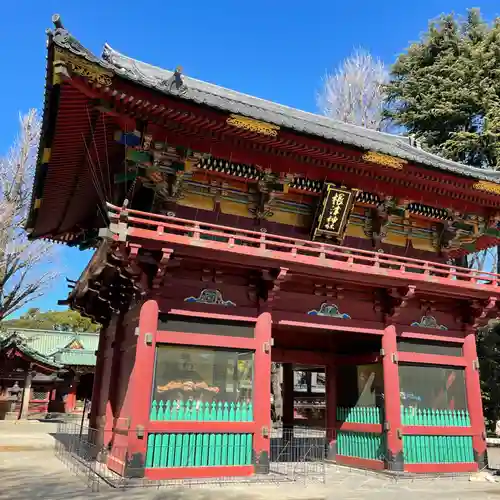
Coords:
pixel 488 187
pixel 385 160
pixel 253 125
pixel 428 321
pixel 330 310
pixel 211 297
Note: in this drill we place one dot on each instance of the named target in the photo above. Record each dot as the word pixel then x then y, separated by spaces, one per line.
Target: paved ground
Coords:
pixel 31 472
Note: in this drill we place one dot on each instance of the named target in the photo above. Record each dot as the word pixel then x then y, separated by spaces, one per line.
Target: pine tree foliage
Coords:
pixel 445 90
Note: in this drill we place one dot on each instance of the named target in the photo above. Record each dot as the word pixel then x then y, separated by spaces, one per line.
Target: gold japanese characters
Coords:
pixel 334 212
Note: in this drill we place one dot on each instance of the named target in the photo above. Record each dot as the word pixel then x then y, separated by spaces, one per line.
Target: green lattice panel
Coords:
pixel 421 449
pixel 173 411
pixel 361 444
pixel 430 417
pixel 198 450
pixel 360 415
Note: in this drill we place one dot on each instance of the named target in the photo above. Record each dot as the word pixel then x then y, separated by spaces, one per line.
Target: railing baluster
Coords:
pixel 262 244
pixel 162 224
pixel 196 231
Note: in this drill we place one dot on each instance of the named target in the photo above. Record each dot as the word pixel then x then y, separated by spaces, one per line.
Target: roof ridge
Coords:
pixel 235 102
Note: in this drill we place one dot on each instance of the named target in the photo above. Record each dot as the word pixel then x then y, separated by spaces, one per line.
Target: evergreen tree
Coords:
pixel 445 90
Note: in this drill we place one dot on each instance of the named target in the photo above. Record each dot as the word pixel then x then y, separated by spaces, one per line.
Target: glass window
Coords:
pixel 432 387
pixel 429 347
pixel 361 385
pixel 191 324
pixel 203 374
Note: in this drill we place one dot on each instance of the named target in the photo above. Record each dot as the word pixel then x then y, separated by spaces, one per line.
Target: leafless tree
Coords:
pixel 354 93
pixel 24 265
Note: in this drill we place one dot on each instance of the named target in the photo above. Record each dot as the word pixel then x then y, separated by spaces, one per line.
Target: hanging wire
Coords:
pixel 107 156
pixel 101 173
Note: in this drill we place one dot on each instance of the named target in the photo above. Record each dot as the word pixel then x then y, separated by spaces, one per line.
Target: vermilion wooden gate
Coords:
pixel 223 429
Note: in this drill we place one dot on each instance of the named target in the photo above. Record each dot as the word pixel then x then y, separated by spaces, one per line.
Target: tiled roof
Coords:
pixel 55 345
pixel 231 101
pixel 16 341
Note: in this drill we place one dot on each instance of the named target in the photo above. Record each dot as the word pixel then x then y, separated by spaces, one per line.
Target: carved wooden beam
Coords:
pixel 480 310
pixel 162 266
pixel 273 293
pixel 399 301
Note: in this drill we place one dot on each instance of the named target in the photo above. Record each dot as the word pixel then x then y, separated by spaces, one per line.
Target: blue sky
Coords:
pixel 278 50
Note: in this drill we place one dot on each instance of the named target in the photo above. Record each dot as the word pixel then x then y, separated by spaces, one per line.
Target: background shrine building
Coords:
pixel 231 232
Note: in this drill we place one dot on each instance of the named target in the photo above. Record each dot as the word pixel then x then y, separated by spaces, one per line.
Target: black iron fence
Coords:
pixel 296 455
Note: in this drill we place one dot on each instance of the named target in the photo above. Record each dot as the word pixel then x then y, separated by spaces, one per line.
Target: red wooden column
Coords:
pixel 331 407
pixel 262 385
pixel 138 400
pixel 112 412
pixel 394 458
pixel 102 380
pixel 474 401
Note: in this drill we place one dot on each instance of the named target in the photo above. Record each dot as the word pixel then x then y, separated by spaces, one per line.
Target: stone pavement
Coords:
pixel 31 471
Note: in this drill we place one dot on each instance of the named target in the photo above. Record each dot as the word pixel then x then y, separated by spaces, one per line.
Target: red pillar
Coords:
pixel 474 401
pixel 115 387
pixel 102 380
pixel 138 399
pixel 331 407
pixel 262 388
pixel 394 459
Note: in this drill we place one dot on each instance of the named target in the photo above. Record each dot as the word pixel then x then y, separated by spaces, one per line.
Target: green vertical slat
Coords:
pixel 179 450
pixel 211 449
pixel 224 450
pixel 237 414
pixel 467 418
pixel 180 411
pixel 230 449
pixel 219 414
pixel 204 453
pixel 150 451
pixel 164 450
pixel 232 413
pixel 175 411
pixel 185 450
pixel 192 449
pixel 225 412
pixel 187 410
pixel 172 450
pixel 213 411
pixel 167 412
pixel 249 449
pixel 244 417
pixel 199 449
pixel 157 452
pixel 250 412
pixel 154 411
pixel 237 450
pixel 159 415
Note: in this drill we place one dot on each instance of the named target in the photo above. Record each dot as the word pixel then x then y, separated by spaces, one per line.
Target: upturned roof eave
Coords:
pixel 302 122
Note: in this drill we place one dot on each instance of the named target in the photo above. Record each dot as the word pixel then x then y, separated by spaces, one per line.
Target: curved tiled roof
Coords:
pixel 55 346
pixel 231 101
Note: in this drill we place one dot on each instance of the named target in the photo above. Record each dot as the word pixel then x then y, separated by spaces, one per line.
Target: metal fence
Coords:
pixel 296 455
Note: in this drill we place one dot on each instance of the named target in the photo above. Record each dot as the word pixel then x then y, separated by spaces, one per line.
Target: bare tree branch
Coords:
pixel 355 92
pixel 24 265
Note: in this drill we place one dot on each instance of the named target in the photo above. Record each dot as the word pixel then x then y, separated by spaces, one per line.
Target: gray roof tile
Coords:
pixel 238 103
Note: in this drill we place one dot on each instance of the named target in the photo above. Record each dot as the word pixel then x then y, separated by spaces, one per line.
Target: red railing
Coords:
pixel 297 251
